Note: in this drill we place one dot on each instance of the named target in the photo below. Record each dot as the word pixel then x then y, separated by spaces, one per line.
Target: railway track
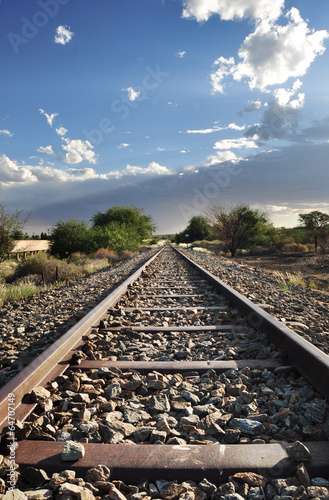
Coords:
pixel 174 376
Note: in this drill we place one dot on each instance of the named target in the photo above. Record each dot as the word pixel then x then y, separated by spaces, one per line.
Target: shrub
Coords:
pixel 78 258
pixel 126 254
pixel 105 253
pixel 36 265
pixel 295 248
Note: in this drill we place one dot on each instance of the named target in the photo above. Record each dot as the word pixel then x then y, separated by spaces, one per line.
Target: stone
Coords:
pixel 35 477
pixel 159 403
pixel 39 394
pixel 318 492
pixel 207 487
pixel 250 478
pixel 99 473
pixel 14 494
pixel 113 391
pixel 316 410
pixel 303 475
pixel 172 491
pixel 72 451
pixel 114 494
pixel 40 494
pixel 320 481
pixel 299 452
pixel 246 426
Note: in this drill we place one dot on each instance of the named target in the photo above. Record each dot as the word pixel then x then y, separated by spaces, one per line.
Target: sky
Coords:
pixel 170 105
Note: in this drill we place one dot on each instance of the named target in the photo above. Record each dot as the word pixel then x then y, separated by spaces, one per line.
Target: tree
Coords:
pixel 130 217
pixel 235 225
pixel 11 221
pixel 69 237
pixel 198 229
pixel 314 222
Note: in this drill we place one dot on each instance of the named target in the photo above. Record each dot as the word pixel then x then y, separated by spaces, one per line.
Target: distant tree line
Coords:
pixel 242 227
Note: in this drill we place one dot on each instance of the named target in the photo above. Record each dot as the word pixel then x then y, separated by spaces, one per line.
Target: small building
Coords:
pixel 29 247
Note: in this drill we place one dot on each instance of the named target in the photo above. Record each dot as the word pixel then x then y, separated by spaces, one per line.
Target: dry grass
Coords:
pixel 287 281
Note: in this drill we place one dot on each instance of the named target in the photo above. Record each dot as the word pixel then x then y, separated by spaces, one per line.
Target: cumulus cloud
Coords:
pixel 181 54
pixel 11 173
pixel 132 94
pixel 47 149
pixel 63 35
pixel 6 132
pixel 123 145
pixel 153 169
pixel 50 118
pixel 225 67
pixel 280 118
pixel 201 10
pixel 61 131
pixel 78 150
pixel 272 54
pixel 221 157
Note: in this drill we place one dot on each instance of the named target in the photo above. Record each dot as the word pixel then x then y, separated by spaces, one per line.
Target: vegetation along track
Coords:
pixel 175 376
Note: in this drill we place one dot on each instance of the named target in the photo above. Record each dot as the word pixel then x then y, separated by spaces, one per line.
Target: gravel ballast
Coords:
pixel 29 326
pixel 301 304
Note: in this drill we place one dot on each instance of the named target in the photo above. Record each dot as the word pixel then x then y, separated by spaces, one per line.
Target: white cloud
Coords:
pixel 47 149
pixel 63 35
pixel 61 131
pixel 77 151
pixel 11 173
pixel 161 149
pixel 204 131
pixel 153 169
pixel 123 145
pixel 181 53
pixel 234 126
pixel 272 54
pixel 216 128
pixel 50 118
pixel 221 157
pixel 201 10
pixel 280 118
pixel 252 106
pixel 235 144
pixel 6 132
pixel 226 67
pixel 132 94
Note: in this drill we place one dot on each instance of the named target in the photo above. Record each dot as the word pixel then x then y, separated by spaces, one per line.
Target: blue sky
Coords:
pixel 173 105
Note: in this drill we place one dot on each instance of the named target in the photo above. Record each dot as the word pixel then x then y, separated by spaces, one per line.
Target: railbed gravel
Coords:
pixel 97 484
pixel 127 407
pixel 29 326
pixel 302 304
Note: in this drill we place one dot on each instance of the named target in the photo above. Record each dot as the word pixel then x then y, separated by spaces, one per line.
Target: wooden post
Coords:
pixel 43 278
pixel 57 275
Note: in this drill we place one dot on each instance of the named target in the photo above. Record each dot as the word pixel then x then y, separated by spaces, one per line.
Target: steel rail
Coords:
pixel 56 356
pixel 310 361
pixel 217 462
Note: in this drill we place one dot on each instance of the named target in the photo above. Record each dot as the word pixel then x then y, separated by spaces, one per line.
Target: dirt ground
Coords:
pixel 314 269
